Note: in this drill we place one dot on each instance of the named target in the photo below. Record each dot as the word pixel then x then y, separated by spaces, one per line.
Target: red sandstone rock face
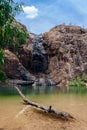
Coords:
pixel 14 69
pixel 12 63
pixel 24 55
pixel 67 50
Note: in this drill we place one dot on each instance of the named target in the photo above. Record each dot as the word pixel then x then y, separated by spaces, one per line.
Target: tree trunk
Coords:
pixel 48 109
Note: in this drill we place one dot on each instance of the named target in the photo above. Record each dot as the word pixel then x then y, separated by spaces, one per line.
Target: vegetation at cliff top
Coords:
pixel 10 33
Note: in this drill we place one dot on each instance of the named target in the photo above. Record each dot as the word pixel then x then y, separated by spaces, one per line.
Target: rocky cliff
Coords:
pixel 49 59
pixel 67 50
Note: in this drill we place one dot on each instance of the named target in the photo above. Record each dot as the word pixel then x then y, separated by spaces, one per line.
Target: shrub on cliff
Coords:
pixel 79 82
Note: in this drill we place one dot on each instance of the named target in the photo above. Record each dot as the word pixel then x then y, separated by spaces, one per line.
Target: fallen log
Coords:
pixel 48 109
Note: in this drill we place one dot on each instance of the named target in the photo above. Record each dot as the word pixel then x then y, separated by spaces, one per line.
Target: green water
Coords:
pixel 29 90
pixel 74 100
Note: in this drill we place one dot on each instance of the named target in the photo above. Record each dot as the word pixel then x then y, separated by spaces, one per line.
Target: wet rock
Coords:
pixel 19 82
pixel 44 80
pixel 38 62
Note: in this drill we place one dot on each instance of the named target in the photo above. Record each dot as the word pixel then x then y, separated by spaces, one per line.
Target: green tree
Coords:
pixel 2 74
pixel 10 33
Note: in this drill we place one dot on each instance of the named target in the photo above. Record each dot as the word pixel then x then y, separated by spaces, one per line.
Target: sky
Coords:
pixel 40 16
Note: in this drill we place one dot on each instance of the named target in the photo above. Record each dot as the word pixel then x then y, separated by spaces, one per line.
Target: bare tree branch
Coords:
pixel 48 109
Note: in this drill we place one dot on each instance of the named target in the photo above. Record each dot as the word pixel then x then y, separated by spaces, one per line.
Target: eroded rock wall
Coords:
pixel 67 50
pixel 54 57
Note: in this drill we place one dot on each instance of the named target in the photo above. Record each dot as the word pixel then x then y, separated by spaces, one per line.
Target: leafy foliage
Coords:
pixel 8 9
pixel 78 82
pixel 10 33
pixel 2 60
pixel 2 76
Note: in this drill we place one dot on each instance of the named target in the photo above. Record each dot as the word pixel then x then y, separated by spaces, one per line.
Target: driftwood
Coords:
pixel 48 109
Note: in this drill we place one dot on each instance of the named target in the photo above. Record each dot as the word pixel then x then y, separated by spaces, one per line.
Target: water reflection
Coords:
pixel 10 90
